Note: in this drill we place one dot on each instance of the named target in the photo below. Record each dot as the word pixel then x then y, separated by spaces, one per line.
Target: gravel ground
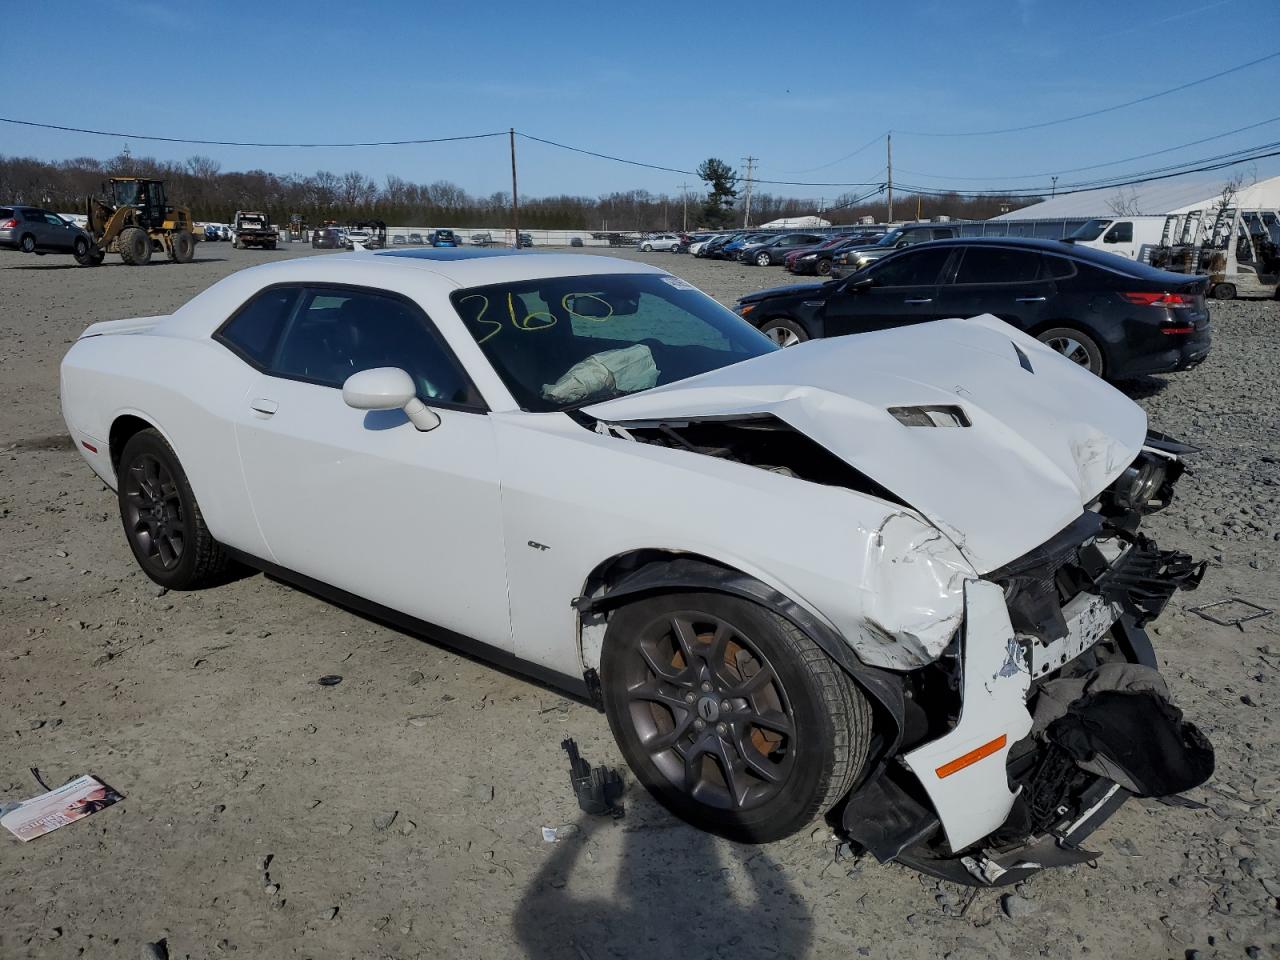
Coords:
pixel 398 814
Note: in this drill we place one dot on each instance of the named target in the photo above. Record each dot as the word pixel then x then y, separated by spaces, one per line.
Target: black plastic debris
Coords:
pixel 329 680
pixel 599 789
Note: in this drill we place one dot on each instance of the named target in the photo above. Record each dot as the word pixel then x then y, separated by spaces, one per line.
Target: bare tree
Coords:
pixel 1123 205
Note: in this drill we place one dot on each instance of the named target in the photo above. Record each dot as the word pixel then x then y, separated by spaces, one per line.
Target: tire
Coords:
pixel 1076 346
pixel 80 250
pixel 134 246
pixel 162 521
pixel 184 247
pixel 646 248
pixel 1224 291
pixel 784 332
pixel 764 260
pixel 27 244
pixel 237 245
pixel 822 268
pixel 665 703
pixel 271 245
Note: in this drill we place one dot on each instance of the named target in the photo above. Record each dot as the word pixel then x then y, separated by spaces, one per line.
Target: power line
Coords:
pixel 1222 164
pixel 1096 166
pixel 848 156
pixel 1095 113
pixel 245 143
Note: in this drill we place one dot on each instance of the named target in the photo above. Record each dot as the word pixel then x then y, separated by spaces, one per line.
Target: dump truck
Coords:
pixel 252 228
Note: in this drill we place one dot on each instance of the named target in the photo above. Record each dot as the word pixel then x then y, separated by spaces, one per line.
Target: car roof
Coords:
pixel 1059 248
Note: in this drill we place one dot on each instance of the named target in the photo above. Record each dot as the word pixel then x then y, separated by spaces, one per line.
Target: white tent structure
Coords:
pixel 1150 199
pixel 795 223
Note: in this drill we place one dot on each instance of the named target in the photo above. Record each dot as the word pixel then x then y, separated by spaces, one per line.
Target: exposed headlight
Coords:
pixel 1136 488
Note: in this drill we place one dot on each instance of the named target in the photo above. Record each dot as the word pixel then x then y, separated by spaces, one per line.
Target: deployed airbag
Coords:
pixel 605 374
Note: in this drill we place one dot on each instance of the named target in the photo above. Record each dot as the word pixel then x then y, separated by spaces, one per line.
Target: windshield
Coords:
pixel 890 238
pixel 1090 231
pixel 566 342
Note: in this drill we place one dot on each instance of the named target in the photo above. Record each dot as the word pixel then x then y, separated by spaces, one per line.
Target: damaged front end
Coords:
pixel 1047 711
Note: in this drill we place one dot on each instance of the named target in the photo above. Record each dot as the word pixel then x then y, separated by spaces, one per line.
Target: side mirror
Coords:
pixel 860 284
pixel 388 388
pixel 902 243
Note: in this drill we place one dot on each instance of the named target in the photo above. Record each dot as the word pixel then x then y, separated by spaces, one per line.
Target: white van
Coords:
pixel 1131 237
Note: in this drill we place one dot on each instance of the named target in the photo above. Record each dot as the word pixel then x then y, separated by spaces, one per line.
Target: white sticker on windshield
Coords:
pixel 678 283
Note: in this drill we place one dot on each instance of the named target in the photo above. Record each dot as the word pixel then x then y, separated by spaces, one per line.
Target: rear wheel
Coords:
pixel 784 332
pixel 27 244
pixel 731 716
pixel 134 246
pixel 184 247
pixel 162 521
pixel 1076 346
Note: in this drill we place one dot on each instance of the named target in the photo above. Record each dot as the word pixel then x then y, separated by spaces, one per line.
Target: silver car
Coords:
pixel 660 241
pixel 33 230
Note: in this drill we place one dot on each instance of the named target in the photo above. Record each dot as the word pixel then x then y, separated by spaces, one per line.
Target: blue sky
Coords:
pixel 797 85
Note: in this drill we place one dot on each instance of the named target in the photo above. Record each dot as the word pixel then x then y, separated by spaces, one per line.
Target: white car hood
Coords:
pixel 1041 444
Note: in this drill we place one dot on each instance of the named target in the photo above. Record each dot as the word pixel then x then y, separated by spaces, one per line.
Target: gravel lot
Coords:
pixel 398 814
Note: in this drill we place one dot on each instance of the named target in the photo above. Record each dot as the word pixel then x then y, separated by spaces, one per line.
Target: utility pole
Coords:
pixel 684 200
pixel 889 144
pixel 1055 187
pixel 515 197
pixel 746 217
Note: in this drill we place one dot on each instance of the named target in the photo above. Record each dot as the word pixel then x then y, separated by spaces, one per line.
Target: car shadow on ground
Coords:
pixel 118 263
pixel 674 894
pixel 1142 387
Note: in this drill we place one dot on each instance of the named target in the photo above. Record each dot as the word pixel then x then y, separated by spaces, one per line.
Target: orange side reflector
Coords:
pixel 972 757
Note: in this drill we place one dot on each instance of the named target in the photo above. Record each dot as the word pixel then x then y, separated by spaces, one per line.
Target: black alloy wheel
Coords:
pixel 162 521
pixel 730 715
pixel 153 513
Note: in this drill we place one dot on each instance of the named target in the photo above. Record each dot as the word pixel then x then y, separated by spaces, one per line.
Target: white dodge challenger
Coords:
pixel 893 577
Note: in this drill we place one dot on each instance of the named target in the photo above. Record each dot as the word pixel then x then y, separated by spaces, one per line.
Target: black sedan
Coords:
pixel 1117 318
pixel 775 249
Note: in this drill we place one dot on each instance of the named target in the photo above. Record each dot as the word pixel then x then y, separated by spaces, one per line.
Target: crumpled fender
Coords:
pixel 912 590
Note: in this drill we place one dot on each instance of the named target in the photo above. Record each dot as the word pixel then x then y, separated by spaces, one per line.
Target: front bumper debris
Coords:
pixel 996 798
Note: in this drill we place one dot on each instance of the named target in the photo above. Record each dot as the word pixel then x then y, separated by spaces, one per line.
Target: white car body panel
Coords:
pixel 1018 475
pixel 492 523
pixel 976 799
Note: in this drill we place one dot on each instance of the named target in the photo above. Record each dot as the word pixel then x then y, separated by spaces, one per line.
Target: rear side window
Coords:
pixel 1059 268
pixel 997 265
pixel 254 330
pixel 912 269
pixel 6 213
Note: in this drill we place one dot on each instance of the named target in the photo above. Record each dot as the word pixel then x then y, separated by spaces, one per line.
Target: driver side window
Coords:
pixel 323 335
pixel 913 269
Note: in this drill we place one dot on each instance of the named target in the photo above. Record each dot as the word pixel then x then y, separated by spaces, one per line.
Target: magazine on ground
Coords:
pixel 68 803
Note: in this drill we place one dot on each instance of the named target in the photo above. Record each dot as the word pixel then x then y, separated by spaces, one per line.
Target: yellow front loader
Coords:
pixel 134 220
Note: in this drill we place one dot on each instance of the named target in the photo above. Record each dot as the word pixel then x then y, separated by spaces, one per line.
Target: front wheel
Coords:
pixel 162 521
pixel 1223 291
pixel 784 332
pixel 763 260
pixel 822 268
pixel 646 248
pixel 731 716
pixel 134 246
pixel 1076 346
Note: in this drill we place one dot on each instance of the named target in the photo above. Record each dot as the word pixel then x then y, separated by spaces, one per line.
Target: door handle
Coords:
pixel 263 406
pixel 921 300
pixel 1029 300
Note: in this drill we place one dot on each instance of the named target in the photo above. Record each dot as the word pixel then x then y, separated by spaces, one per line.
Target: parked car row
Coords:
pixel 1117 318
